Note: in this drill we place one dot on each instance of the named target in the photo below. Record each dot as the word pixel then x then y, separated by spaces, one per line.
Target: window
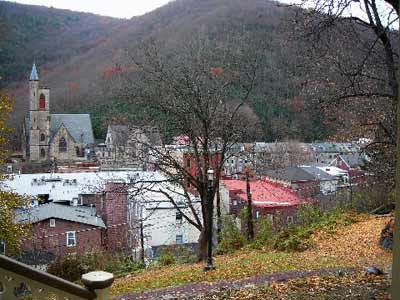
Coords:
pixel 235 203
pixel 62 145
pixel 188 163
pixel 42 101
pixel 42 137
pixel 179 239
pixel 289 219
pixel 257 214
pixel 52 222
pixel 179 218
pixel 42 153
pixel 71 238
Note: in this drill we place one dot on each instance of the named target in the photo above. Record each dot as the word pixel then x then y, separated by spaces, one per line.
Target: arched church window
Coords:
pixel 42 153
pixel 42 137
pixel 62 145
pixel 42 101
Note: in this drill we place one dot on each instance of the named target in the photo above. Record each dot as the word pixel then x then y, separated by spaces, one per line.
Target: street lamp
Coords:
pixel 210 179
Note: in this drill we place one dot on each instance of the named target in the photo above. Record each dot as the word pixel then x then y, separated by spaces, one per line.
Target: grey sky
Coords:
pixel 114 8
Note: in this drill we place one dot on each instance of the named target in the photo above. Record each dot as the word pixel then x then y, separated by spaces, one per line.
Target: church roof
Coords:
pixel 78 125
pixel 34 74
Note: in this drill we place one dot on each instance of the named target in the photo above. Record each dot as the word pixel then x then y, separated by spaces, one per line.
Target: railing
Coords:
pixel 21 282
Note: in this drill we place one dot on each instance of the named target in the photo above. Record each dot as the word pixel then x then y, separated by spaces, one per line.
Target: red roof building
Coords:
pixel 268 199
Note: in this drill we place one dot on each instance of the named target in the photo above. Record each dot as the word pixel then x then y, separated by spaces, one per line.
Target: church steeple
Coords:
pixel 34 74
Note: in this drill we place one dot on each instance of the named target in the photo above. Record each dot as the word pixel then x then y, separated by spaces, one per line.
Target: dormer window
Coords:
pixel 42 101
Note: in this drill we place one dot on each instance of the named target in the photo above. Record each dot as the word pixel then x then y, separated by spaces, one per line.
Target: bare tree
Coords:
pixel 199 92
pixel 362 84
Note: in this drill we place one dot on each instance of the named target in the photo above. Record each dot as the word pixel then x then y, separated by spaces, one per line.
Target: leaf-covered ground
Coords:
pixel 354 245
pixel 355 287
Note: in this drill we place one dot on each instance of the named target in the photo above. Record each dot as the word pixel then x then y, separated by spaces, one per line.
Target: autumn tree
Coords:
pixel 201 92
pixel 10 232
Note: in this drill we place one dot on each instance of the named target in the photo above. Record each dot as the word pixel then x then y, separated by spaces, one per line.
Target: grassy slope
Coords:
pixel 350 246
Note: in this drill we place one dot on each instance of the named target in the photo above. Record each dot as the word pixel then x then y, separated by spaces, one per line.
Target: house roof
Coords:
pixel 78 125
pixel 288 174
pixel 318 173
pixel 78 214
pixel 264 193
pixel 34 74
pixel 353 160
pixel 119 134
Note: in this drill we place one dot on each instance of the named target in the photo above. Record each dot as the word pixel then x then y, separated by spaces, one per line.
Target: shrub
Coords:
pixel 230 237
pixel 69 268
pixel 72 267
pixel 264 232
pixel 166 259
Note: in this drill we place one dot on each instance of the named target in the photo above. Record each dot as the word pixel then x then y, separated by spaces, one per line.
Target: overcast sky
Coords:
pixel 113 8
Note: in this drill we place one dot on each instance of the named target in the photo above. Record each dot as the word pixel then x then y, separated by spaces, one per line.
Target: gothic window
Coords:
pixel 62 145
pixel 42 137
pixel 42 101
pixel 42 153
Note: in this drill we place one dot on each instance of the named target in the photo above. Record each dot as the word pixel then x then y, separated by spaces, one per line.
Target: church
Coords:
pixel 53 137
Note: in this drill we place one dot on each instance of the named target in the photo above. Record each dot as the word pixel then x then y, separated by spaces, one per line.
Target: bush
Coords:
pixel 69 268
pixel 230 237
pixel 72 267
pixel 264 232
pixel 166 259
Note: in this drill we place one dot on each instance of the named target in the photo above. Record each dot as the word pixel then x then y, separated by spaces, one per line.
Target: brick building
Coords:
pixel 268 199
pixel 101 222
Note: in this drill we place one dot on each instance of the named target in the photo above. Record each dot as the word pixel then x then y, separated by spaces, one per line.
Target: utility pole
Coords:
pixel 250 227
pixel 210 209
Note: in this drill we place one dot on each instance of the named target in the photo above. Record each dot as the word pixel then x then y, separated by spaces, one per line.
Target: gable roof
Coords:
pixel 264 193
pixel 318 173
pixel 119 134
pixel 78 214
pixel 288 174
pixel 78 125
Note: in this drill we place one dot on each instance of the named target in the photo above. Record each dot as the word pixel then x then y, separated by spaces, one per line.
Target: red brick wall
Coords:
pixel 54 240
pixel 115 217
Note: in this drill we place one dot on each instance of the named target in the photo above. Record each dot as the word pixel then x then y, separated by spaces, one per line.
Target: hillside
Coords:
pixel 351 246
pixel 74 50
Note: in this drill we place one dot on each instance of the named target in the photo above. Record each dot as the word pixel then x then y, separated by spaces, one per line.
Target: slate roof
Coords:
pixel 318 173
pixel 353 160
pixel 78 125
pixel 34 74
pixel 288 174
pixel 264 193
pixel 78 214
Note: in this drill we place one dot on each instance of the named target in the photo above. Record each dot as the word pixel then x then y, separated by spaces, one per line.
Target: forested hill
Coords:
pixel 74 50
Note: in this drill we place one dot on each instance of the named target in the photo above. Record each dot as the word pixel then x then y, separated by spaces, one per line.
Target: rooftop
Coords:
pixel 264 193
pixel 78 214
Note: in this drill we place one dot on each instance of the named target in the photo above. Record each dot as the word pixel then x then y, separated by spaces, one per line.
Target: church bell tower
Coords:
pixel 39 119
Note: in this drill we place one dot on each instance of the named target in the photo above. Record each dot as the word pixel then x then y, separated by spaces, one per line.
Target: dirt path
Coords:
pixel 198 290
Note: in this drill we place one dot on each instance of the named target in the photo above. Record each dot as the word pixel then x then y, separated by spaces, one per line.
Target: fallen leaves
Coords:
pixel 351 245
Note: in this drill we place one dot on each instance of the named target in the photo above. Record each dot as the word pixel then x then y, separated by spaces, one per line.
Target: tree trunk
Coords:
pixel 250 227
pixel 396 237
pixel 202 246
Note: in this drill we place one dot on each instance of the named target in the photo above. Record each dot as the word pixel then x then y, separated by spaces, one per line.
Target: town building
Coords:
pixel 128 147
pixel 269 199
pixel 53 137
pixel 114 206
